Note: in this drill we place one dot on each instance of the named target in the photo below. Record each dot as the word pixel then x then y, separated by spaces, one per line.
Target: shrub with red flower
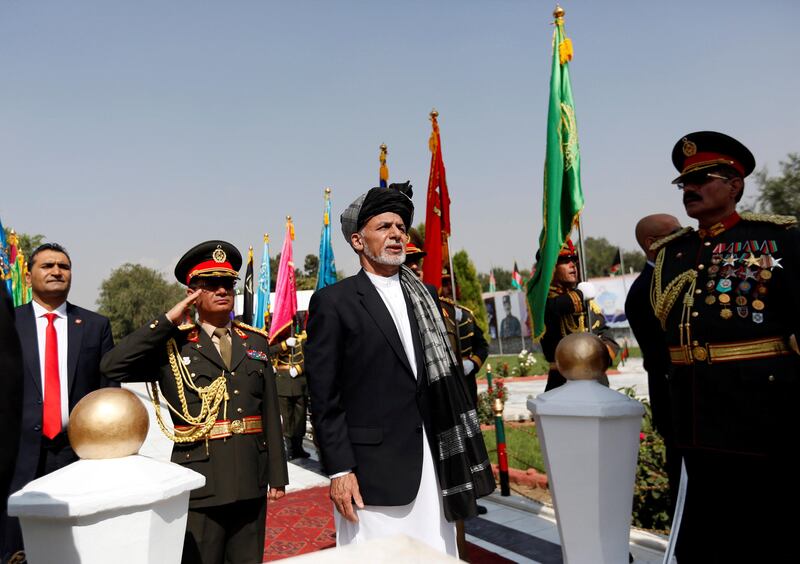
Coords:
pixel 486 401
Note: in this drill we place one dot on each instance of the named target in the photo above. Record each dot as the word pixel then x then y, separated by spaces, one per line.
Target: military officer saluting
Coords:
pixel 292 386
pixel 217 377
pixel 466 337
pixel 728 298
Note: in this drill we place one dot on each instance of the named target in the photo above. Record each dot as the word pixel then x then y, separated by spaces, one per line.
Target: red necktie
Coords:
pixel 51 416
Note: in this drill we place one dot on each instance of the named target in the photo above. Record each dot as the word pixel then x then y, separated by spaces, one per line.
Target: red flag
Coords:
pixel 437 215
pixel 285 288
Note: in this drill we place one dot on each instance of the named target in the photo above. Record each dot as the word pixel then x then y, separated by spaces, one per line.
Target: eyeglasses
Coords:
pixel 699 179
pixel 211 284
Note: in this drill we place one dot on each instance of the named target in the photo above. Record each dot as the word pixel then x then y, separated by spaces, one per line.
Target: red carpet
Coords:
pixel 302 522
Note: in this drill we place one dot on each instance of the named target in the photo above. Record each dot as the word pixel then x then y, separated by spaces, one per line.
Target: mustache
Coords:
pixel 691 197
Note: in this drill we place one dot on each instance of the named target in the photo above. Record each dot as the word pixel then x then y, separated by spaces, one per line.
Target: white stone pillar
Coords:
pixel 112 506
pixel 590 440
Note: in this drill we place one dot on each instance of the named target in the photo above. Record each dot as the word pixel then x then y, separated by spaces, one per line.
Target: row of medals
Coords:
pixel 752 275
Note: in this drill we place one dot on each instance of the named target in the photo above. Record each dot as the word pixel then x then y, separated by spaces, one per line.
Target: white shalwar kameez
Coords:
pixel 422 519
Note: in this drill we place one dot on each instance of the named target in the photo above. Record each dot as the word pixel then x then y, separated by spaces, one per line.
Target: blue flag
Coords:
pixel 326 274
pixel 262 306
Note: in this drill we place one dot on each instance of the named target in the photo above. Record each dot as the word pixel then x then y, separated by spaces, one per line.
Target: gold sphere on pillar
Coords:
pixel 582 356
pixel 108 423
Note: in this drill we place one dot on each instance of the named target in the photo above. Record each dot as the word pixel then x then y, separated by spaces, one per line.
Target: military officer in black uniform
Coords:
pixel 570 308
pixel 292 386
pixel 218 378
pixel 466 336
pixel 728 298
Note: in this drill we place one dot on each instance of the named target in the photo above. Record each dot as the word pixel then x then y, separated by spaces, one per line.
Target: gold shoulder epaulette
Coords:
pixel 669 238
pixel 186 326
pixel 465 308
pixel 782 220
pixel 251 328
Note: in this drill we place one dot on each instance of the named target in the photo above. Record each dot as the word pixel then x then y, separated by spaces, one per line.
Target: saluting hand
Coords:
pixel 344 490
pixel 178 311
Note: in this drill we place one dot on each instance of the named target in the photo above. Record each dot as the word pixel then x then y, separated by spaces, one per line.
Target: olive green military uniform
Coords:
pixel 467 340
pixel 244 454
pixel 292 387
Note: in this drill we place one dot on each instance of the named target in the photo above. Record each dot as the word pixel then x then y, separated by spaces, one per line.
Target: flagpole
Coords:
pixel 622 268
pixel 582 270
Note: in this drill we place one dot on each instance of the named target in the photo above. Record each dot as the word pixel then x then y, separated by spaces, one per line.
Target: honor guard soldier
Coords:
pixel 218 380
pixel 292 386
pixel 570 308
pixel 728 298
pixel 414 256
pixel 466 337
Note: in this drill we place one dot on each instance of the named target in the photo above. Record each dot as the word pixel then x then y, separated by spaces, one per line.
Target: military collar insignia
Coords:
pixel 720 226
pixel 239 332
pixel 193 336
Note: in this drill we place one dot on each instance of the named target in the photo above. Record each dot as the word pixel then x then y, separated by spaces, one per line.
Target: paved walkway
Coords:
pixel 513 527
pixel 520 389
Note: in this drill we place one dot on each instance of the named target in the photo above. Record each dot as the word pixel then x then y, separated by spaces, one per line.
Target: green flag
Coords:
pixel 563 197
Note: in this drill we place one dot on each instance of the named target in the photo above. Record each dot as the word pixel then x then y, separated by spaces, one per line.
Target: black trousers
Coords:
pixel 231 534
pixel 738 508
pixel 293 412
pixel 55 453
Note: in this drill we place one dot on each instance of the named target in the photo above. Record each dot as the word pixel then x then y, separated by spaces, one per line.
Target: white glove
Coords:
pixel 469 366
pixel 459 314
pixel 588 290
pixel 293 372
pixel 291 342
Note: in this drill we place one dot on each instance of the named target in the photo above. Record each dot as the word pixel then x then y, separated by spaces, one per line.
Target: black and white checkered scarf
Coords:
pixel 462 463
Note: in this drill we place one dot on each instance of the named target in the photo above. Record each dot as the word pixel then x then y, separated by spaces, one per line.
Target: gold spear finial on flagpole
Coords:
pixel 327 190
pixel 558 12
pixel 434 113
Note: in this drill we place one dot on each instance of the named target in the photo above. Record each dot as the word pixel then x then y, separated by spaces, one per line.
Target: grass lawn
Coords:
pixel 496 361
pixel 522 446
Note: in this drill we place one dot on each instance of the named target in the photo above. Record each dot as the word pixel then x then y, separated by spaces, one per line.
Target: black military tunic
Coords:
pixel 565 313
pixel 241 464
pixel 292 386
pixel 470 342
pixel 729 300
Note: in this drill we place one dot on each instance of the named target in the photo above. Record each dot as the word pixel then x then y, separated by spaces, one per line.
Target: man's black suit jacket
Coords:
pixel 367 408
pixel 652 342
pixel 10 398
pixel 88 339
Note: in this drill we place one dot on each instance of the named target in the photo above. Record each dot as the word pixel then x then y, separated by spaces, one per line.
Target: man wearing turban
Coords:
pixel 396 431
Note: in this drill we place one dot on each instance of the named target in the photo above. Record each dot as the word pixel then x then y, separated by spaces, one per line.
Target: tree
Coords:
pixel 780 194
pixel 634 260
pixel 133 295
pixel 469 288
pixel 27 242
pixel 502 279
pixel 311 266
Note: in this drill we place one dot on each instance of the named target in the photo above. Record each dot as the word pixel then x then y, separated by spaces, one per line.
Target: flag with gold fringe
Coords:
pixel 326 271
pixel 285 288
pixel 262 296
pixel 383 172
pixel 437 213
pixel 563 196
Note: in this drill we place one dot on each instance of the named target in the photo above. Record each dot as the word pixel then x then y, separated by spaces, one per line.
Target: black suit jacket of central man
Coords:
pixel 367 407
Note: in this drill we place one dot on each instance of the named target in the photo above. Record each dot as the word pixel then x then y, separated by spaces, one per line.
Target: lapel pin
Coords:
pixel 78 321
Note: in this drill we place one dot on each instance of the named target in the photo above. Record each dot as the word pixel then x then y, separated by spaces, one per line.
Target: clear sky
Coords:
pixel 129 131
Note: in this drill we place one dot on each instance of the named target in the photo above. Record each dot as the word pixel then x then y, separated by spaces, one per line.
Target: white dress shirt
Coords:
pixel 61 323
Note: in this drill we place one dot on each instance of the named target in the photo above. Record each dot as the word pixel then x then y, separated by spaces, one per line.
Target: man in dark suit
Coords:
pixel 62 345
pixel 11 398
pixel 652 342
pixel 217 376
pixel 390 411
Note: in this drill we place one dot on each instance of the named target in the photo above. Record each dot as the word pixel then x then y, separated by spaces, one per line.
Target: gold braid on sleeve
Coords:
pixel 211 398
pixel 663 301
